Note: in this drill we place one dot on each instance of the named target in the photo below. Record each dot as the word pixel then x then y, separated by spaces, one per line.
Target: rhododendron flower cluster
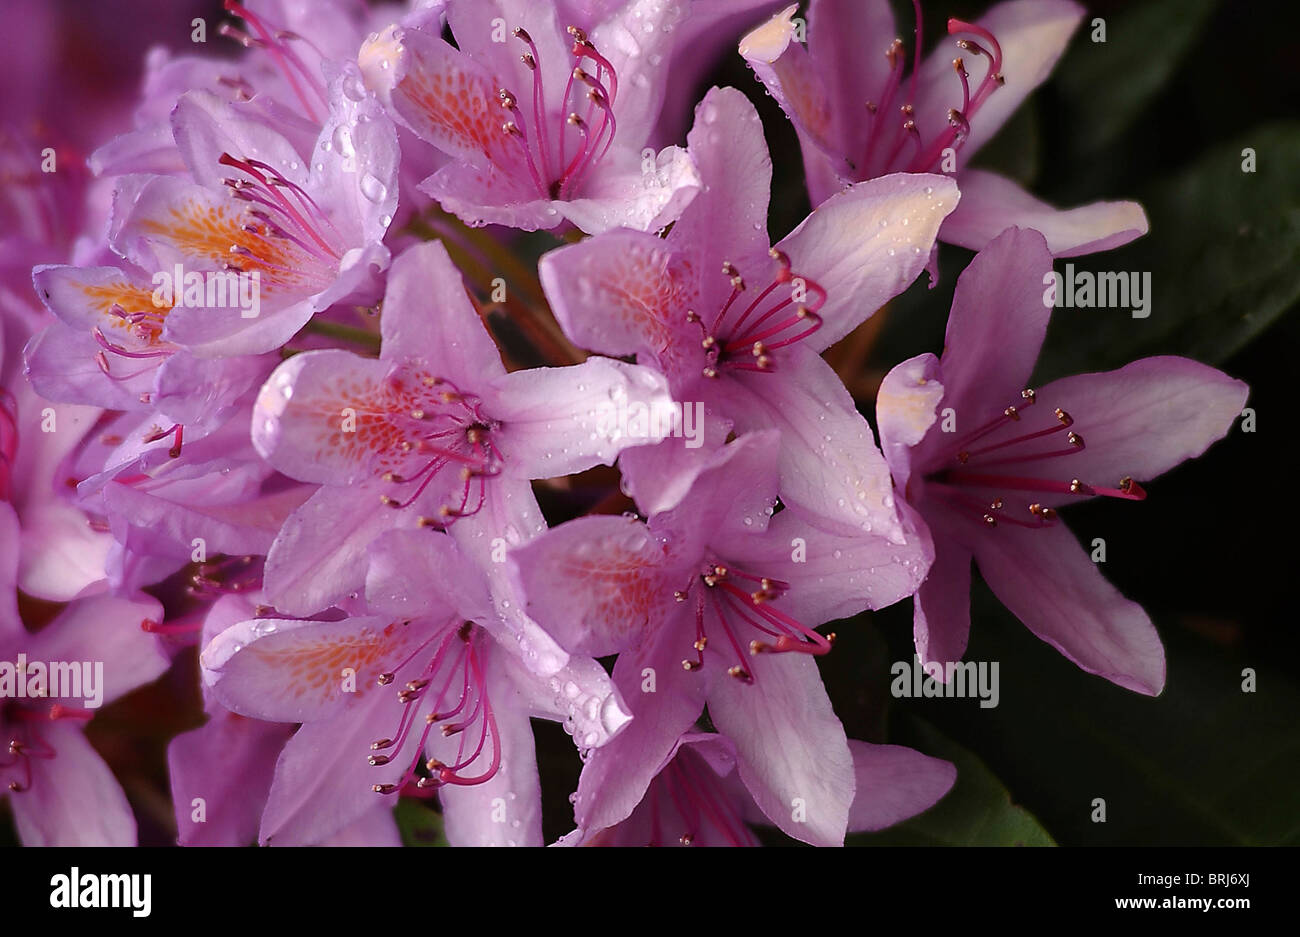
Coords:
pixel 394 376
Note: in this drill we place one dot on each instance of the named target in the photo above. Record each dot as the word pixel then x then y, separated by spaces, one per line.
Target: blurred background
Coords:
pixel 1160 112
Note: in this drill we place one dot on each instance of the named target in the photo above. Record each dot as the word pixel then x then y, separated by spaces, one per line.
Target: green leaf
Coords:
pixel 419 824
pixel 977 812
pixel 1105 86
pixel 1224 259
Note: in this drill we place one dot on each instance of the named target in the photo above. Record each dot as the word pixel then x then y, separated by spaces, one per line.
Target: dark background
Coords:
pixel 1159 113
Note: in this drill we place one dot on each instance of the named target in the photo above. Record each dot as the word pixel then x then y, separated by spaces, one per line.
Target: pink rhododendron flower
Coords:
pixel 698 799
pixel 860 116
pixel 378 696
pixel 432 433
pixel 306 226
pixel 715 603
pixel 546 124
pixel 60 791
pixel 990 480
pixel 738 325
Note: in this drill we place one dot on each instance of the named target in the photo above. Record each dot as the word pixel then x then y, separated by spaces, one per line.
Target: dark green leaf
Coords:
pixel 1106 86
pixel 1224 259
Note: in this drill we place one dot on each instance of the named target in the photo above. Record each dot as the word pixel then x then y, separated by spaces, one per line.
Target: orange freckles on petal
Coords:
pixel 223 235
pixel 357 422
pixel 460 107
pixel 650 296
pixel 315 666
pixel 622 587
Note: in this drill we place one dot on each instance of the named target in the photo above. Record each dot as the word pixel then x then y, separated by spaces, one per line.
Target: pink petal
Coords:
pixel 727 221
pixel 323 781
pixel 941 607
pixel 621 193
pixel 453 342
pixel 424 573
pixel 74 799
pixel 617 775
pixel 866 244
pixel 830 468
pixel 788 72
pixel 1140 420
pixel 106 628
pixel 790 747
pixel 287 670
pixel 228 764
pixel 599 584
pixel 848 39
pixel 376 828
pixel 906 407
pixel 1049 582
pixel 621 294
pixel 894 783
pixel 991 203
pixel 319 555
pixel 995 330
pixel 316 416
pixel 557 421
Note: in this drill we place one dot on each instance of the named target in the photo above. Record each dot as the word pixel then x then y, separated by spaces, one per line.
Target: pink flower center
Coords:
pixel 692 798
pixel 587 109
pixel 452 681
pixel 443 428
pixel 734 603
pixel 287 235
pixel 973 462
pixel 306 85
pixel 743 336
pixel 25 741
pixel 897 144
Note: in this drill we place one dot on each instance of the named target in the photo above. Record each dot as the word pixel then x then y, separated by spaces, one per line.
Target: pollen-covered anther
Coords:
pixel 384 679
pixel 377 760
pixel 380 744
pixel 1132 489
pixel 1046 514
pixel 740 673
pixel 1065 418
